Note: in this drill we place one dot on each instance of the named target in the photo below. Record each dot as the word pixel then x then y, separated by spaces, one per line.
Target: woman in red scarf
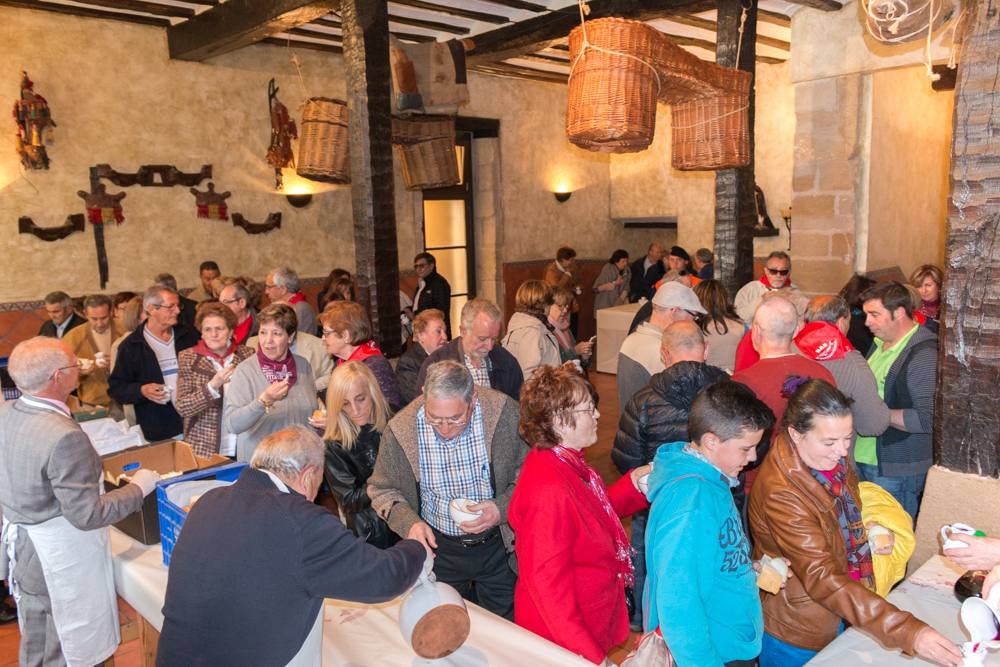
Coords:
pixel 805 507
pixel 348 337
pixel 202 377
pixel 927 279
pixel 574 559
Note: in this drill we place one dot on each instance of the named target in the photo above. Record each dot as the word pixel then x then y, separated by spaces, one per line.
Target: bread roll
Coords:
pixel 769 579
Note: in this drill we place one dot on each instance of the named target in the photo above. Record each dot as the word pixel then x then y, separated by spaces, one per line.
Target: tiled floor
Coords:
pixel 599 456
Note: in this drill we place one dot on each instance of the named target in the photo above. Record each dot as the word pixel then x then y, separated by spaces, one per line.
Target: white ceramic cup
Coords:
pixel 459 510
pixel 101 360
pixel 947 529
pixel 85 364
pixel 643 484
pixel 981 617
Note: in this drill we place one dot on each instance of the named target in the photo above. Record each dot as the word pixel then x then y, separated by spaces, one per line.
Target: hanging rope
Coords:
pixel 739 43
pixel 892 16
pixel 710 120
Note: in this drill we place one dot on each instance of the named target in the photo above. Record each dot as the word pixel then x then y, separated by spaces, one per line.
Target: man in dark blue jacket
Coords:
pixel 658 413
pixel 256 559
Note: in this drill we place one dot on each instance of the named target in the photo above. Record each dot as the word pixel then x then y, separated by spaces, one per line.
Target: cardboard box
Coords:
pixel 83 412
pixel 163 457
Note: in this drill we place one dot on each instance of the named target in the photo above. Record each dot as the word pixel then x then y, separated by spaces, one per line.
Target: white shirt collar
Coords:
pixel 277 481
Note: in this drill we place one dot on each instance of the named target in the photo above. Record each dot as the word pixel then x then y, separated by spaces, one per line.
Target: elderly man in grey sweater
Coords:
pixel 456 442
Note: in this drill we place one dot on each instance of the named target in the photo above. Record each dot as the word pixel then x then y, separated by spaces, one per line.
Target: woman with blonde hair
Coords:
pixel 356 416
pixel 928 279
pixel 529 335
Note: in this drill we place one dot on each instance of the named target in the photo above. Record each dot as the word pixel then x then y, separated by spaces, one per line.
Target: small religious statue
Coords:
pixel 283 130
pixel 211 204
pixel 34 126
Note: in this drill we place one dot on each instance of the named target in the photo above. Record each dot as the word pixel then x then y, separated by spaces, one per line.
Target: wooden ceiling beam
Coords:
pixel 238 23
pixel 405 36
pixel 453 11
pixel 329 47
pixel 710 25
pixel 89 12
pixel 822 5
pixel 519 4
pixel 506 69
pixel 536 33
pixel 147 7
pixel 774 18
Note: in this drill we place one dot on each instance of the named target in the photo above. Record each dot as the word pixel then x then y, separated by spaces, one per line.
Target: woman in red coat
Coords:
pixel 574 559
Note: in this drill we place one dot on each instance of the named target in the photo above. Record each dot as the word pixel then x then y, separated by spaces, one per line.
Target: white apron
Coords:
pixel 76 565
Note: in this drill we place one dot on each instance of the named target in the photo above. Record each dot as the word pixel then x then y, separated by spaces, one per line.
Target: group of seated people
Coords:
pixel 717 471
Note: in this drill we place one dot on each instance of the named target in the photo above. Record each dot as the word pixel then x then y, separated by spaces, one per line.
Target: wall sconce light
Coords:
pixel 786 215
pixel 562 196
pixel 299 200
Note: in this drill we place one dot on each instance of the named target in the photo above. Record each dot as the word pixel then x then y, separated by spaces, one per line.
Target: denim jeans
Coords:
pixel 776 653
pixel 907 489
pixel 639 544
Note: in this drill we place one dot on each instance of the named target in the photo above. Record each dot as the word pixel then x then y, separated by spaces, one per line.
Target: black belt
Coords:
pixel 469 541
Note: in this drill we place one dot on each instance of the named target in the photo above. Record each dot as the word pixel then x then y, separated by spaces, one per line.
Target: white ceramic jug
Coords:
pixel 981 619
pixel 433 617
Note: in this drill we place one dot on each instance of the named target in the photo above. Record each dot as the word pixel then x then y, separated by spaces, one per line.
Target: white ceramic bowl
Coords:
pixel 459 510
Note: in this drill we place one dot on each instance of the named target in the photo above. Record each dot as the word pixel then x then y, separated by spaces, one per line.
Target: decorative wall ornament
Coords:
pixel 273 222
pixel 146 176
pixel 74 223
pixel 211 204
pixel 34 126
pixel 103 207
pixel 283 130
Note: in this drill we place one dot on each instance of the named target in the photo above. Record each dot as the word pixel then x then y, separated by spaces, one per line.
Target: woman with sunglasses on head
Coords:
pixel 356 416
pixel 806 507
pixel 574 559
pixel 777 275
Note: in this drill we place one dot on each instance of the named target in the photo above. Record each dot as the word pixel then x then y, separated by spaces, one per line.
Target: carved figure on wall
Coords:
pixel 34 126
pixel 211 204
pixel 283 130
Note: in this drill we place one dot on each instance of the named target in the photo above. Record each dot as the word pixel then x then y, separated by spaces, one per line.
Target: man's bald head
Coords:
pixel 776 320
pixel 682 341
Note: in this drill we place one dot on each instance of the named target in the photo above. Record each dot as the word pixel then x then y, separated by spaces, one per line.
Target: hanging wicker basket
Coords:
pixel 425 149
pixel 611 102
pixel 710 133
pixel 324 153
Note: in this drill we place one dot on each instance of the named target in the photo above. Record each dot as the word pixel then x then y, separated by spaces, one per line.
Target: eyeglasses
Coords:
pixel 168 306
pixel 269 285
pixel 693 314
pixel 778 272
pixel 66 368
pixel 226 302
pixel 439 422
pixel 420 265
pixel 589 409
pixel 328 332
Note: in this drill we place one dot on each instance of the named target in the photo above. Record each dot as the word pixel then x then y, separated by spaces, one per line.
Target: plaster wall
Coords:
pixel 910 154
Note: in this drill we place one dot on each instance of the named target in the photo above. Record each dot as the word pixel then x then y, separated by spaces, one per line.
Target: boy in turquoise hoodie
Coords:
pixel 701 589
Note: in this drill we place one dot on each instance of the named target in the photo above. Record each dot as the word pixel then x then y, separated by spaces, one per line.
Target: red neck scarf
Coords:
pixel 242 330
pixel 822 341
pixel 365 350
pixel 768 285
pixel 295 298
pixel 574 459
pixel 276 371
pixel 201 349
pixel 930 308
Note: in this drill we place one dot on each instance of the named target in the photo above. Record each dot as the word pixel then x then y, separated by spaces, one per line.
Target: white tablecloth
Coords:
pixel 927 594
pixel 371 640
pixel 612 328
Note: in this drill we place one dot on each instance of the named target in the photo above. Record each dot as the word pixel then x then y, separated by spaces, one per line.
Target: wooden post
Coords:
pixel 735 211
pixel 967 420
pixel 366 57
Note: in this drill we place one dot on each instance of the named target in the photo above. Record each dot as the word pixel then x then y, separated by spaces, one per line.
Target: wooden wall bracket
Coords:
pixel 150 175
pixel 273 222
pixel 74 223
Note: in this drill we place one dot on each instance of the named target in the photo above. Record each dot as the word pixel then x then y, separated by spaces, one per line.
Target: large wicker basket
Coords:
pixel 711 133
pixel 896 21
pixel 611 103
pixel 324 153
pixel 425 149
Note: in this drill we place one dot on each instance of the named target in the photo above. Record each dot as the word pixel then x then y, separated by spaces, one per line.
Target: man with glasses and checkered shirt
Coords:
pixel 777 276
pixel 145 373
pixel 461 442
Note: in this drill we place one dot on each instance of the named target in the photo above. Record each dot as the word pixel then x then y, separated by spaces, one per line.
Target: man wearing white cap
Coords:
pixel 639 355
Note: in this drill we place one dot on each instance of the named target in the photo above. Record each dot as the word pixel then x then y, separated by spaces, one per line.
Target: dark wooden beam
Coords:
pixel 148 7
pixel 366 61
pixel 708 24
pixel 966 428
pixel 406 37
pixel 329 47
pixel 453 11
pixel 544 57
pixel 519 4
pixel 823 5
pixel 429 25
pixel 774 18
pixel 536 33
pixel 506 69
pixel 238 23
pixel 735 209
pixel 86 11
pixel 689 41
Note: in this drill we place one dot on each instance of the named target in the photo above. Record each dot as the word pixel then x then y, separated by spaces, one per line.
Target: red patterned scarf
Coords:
pixel 859 555
pixel 201 349
pixel 276 371
pixel 295 298
pixel 822 341
pixel 574 459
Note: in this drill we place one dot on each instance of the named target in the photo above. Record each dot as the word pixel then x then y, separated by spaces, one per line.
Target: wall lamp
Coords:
pixel 562 196
pixel 299 200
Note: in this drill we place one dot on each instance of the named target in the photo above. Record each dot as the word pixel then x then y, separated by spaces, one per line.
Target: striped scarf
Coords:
pixel 859 556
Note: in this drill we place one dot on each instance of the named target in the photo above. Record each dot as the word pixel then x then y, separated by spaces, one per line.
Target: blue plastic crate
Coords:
pixel 172 516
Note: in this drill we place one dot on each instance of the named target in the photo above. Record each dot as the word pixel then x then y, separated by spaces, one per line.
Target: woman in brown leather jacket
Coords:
pixel 805 507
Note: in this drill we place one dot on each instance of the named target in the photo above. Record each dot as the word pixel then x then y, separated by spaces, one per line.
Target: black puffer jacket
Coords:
pixel 658 413
pixel 346 472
